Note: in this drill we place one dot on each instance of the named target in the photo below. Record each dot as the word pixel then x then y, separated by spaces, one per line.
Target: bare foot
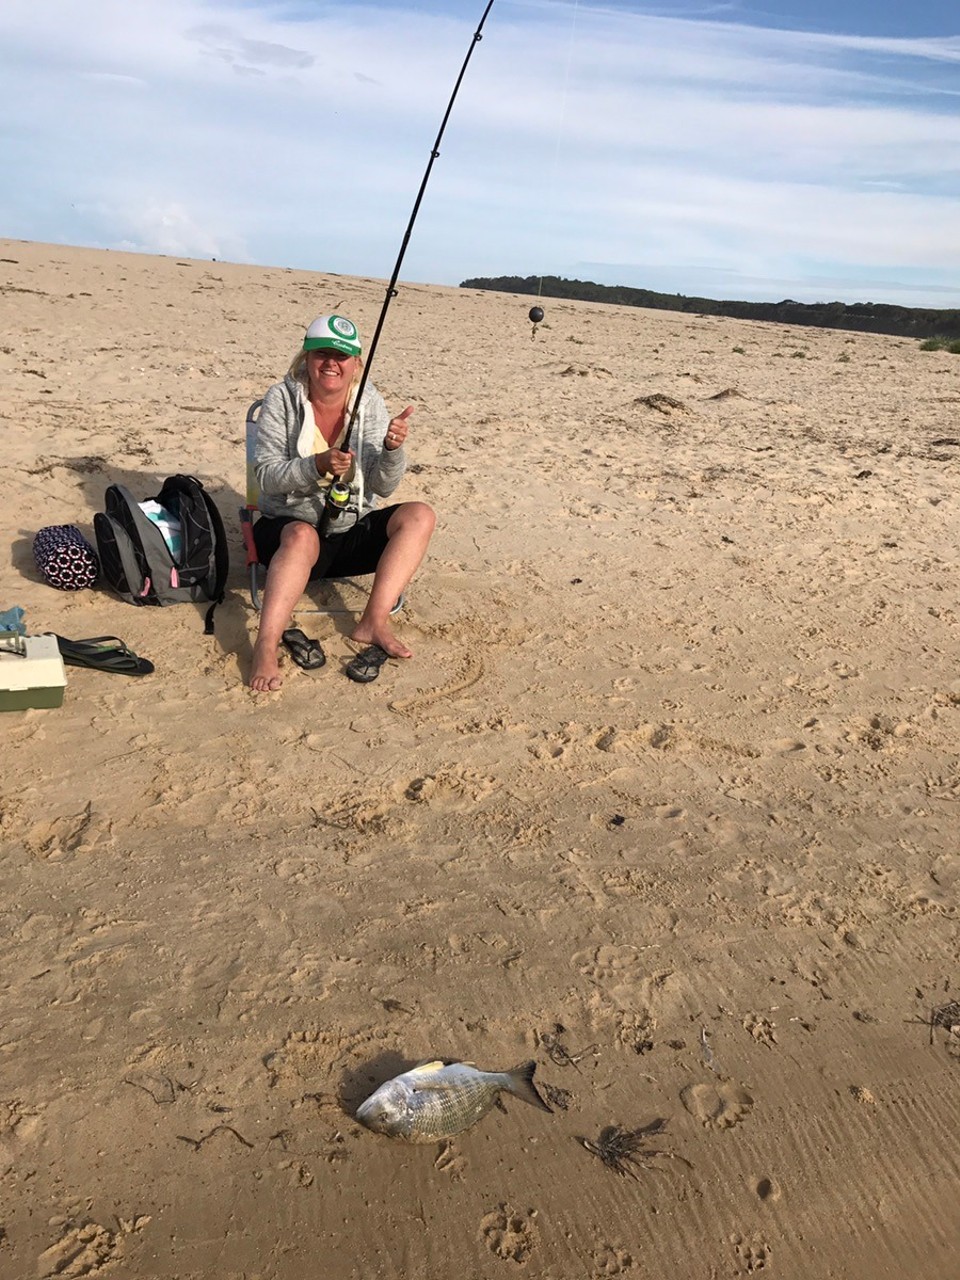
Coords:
pixel 265 673
pixel 367 633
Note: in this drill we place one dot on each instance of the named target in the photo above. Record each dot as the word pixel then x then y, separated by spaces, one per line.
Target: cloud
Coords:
pixel 152 226
pixel 244 54
pixel 114 78
pixel 590 134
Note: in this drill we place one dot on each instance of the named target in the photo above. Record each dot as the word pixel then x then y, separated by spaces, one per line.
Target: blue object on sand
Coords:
pixel 12 621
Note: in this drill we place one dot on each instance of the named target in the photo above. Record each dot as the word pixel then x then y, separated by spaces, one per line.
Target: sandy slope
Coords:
pixel 667 799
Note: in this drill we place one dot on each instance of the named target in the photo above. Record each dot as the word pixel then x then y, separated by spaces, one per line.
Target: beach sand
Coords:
pixel 667 800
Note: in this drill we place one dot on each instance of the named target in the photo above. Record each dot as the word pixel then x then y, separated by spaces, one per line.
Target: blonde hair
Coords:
pixel 298 370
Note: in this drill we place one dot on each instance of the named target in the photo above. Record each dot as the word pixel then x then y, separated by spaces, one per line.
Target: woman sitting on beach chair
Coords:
pixel 302 423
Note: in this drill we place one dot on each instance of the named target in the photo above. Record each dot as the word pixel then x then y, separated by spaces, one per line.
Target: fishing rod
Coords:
pixel 391 287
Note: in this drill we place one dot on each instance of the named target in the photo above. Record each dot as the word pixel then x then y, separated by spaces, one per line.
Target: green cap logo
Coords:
pixel 333 333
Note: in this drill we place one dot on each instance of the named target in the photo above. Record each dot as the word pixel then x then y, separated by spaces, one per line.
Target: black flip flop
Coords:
pixel 103 653
pixel 305 652
pixel 366 665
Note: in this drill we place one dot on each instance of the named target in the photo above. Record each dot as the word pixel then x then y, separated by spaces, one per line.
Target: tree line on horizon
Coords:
pixel 869 317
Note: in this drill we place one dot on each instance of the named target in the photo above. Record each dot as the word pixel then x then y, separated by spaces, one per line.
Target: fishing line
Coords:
pixel 536 313
pixel 391 287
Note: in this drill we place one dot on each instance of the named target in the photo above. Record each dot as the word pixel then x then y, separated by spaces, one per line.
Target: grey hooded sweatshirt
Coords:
pixel 284 460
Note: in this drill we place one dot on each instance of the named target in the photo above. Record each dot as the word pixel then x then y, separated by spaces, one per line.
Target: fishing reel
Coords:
pixel 338 510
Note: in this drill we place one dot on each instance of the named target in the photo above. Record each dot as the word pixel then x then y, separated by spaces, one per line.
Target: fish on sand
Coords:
pixel 435 1100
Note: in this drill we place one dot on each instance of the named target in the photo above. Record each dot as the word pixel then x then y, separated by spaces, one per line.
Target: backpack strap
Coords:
pixel 221 552
pixel 217 588
pixel 186 494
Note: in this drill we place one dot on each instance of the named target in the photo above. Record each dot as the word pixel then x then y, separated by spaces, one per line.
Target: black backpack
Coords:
pixel 136 561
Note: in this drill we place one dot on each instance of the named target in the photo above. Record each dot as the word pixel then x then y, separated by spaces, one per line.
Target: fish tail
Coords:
pixel 521 1085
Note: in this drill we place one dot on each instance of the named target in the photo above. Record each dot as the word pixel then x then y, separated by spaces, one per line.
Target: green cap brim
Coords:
pixel 331 344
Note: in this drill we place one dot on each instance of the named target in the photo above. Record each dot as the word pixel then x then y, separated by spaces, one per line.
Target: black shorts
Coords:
pixel 345 555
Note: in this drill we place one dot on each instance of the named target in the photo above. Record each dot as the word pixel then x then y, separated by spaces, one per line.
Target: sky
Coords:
pixel 805 149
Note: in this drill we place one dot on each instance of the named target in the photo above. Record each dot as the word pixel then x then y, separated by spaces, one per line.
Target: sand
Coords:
pixel 667 800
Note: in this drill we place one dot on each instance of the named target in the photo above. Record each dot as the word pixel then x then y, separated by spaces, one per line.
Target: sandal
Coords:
pixel 305 652
pixel 366 665
pixel 103 653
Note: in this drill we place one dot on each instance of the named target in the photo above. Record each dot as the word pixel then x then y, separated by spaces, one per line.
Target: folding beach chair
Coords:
pixel 247 514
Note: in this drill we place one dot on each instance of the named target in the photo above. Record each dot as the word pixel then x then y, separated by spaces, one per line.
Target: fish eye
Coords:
pixel 375 1113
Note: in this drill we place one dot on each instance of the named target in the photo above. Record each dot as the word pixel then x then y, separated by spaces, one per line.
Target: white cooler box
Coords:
pixel 33 676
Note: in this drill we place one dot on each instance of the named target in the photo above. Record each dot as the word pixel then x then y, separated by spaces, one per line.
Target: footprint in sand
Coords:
pixel 19 1125
pixel 510 1235
pixel 635 1031
pixel 81 1251
pixel 609 963
pixel 762 1029
pixel 623 974
pixel 450 1162
pixel 451 790
pixel 752 1254
pixel 75 833
pixel 552 746
pixel 608 1260
pixel 938 890
pixel 717 1106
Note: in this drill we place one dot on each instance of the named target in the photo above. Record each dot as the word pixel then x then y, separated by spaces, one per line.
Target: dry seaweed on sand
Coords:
pixel 558 1052
pixel 624 1150
pixel 947 1016
pixel 557 1097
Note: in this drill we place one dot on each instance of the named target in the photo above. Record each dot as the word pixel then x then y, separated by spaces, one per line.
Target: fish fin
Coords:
pixel 434 1064
pixel 521 1085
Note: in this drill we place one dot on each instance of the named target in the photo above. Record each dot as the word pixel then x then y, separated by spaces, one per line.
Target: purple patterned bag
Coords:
pixel 65 558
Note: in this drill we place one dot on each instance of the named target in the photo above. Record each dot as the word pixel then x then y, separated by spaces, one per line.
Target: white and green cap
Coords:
pixel 335 333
